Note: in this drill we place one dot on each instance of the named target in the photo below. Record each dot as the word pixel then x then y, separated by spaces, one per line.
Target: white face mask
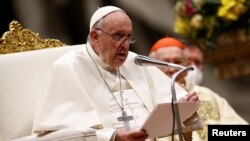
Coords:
pixel 195 76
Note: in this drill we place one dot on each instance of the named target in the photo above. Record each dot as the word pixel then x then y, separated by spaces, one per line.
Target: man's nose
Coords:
pixel 171 70
pixel 125 43
pixel 126 40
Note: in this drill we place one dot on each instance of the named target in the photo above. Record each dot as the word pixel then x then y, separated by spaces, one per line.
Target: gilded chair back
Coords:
pixel 19 39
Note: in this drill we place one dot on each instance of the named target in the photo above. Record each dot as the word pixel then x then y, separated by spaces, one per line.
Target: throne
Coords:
pixel 25 59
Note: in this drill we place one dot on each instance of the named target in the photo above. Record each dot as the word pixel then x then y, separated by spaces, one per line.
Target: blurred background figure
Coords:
pixel 214 109
pixel 195 58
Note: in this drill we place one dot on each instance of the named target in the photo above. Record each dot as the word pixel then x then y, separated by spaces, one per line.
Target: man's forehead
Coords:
pixel 172 49
pixel 170 52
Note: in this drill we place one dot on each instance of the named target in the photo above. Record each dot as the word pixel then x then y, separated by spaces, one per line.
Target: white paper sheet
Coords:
pixel 160 121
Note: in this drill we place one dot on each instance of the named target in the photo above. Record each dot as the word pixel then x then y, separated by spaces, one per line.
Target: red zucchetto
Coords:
pixel 167 42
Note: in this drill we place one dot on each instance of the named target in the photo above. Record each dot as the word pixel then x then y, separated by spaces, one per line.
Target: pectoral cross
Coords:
pixel 125 118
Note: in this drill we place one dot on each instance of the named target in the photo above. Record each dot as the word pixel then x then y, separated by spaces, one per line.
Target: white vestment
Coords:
pixel 214 109
pixel 76 94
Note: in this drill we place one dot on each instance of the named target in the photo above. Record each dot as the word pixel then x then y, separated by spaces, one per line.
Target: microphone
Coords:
pixel 141 60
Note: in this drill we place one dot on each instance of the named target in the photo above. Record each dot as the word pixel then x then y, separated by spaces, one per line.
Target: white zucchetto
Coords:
pixel 100 13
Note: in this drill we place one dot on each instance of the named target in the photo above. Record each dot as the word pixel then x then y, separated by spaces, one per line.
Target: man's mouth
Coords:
pixel 121 55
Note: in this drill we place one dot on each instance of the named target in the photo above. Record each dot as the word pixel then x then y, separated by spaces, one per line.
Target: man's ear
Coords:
pixel 94 37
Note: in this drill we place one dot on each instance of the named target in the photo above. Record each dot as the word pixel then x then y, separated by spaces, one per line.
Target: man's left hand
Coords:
pixel 190 97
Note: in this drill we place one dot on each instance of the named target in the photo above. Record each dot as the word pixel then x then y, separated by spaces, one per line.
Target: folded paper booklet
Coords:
pixel 160 121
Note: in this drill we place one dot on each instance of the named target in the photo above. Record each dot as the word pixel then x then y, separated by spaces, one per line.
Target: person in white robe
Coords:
pixel 213 108
pixel 93 85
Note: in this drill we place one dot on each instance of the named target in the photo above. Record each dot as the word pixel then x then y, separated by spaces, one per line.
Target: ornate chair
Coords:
pixel 24 61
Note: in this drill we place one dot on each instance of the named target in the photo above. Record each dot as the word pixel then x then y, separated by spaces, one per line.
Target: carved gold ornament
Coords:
pixel 18 39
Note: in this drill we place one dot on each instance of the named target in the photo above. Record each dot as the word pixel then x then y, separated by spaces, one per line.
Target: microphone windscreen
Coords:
pixel 137 60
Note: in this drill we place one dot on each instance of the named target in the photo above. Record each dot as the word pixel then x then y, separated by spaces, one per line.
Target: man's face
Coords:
pixel 171 55
pixel 113 39
pixel 195 56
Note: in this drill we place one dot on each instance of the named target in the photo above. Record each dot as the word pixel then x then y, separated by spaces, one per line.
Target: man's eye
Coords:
pixel 178 62
pixel 197 62
pixel 118 36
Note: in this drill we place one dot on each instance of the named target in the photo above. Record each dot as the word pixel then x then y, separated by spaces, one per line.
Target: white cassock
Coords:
pixel 76 94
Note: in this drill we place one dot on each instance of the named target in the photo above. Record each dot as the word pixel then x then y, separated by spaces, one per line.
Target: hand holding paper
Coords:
pixel 126 134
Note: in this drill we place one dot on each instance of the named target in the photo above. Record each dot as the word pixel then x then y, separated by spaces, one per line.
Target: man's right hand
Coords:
pixel 130 135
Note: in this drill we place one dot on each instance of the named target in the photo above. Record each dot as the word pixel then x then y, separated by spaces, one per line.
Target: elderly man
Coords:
pixel 213 108
pixel 100 86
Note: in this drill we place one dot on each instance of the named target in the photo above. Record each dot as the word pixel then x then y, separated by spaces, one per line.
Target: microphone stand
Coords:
pixel 144 60
pixel 175 104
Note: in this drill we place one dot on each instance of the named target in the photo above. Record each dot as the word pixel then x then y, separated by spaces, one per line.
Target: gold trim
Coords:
pixel 208 111
pixel 18 39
